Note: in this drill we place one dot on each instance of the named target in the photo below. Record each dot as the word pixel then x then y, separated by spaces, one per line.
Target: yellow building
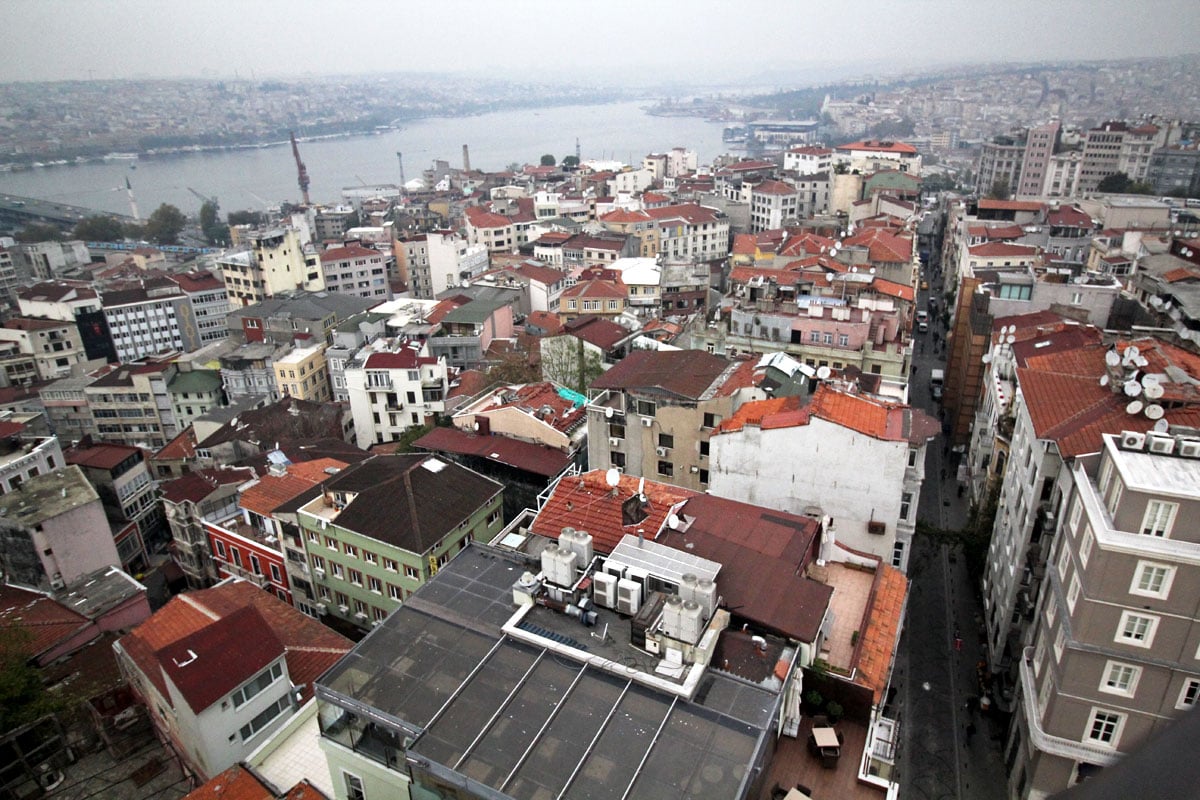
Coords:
pixel 303 374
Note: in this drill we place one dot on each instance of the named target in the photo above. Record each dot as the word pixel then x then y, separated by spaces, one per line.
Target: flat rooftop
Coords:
pixel 531 720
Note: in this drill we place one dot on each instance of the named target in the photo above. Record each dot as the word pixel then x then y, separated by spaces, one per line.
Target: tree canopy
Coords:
pixel 99 228
pixel 246 217
pixel 1000 189
pixel 165 224
pixel 549 160
pixel 215 232
pixel 1120 183
pixel 37 232
pixel 570 162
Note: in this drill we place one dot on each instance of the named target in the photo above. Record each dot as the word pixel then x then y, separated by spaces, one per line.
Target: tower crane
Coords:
pixel 301 170
pixel 203 199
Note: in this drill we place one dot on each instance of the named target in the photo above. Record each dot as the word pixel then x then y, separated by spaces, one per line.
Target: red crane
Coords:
pixel 301 170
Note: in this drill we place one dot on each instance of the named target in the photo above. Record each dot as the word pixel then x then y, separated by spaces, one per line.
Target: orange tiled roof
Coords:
pixel 883 618
pixel 1179 274
pixel 588 503
pixel 47 621
pixel 1010 205
pixel 235 783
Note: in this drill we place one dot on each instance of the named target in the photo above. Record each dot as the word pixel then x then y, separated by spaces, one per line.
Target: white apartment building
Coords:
pixel 808 160
pixel 452 260
pixel 356 270
pixel 150 319
pixel 393 388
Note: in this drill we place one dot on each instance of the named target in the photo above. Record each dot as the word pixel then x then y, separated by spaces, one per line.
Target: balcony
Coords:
pixel 608 401
pixel 1056 745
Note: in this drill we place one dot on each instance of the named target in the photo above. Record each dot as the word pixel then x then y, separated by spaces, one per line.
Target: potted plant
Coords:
pixel 834 710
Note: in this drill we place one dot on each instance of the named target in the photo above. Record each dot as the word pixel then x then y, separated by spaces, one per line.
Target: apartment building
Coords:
pixel 277 262
pixel 67 410
pixel 302 373
pixel 129 494
pixel 1040 143
pixel 653 413
pixel 209 302
pixel 356 270
pixel 393 386
pixel 1112 659
pixel 205 495
pixel 131 405
pixel 382 527
pixel 152 317
pixel 193 393
pixel 54 345
pixel 24 455
pixel 808 160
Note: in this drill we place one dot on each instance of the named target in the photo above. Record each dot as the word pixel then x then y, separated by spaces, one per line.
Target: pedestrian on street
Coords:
pixel 970 732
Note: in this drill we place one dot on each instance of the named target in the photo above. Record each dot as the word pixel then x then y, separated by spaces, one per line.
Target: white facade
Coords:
pixel 452 260
pixel 151 326
pixel 825 474
pixel 808 160
pixel 393 390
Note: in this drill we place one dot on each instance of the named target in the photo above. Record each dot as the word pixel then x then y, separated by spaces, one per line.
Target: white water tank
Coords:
pixel 687 586
pixel 706 596
pixel 691 622
pixel 672 610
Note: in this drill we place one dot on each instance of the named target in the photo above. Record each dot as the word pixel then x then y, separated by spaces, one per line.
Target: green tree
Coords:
pixel 215 232
pixel 165 224
pixel 245 217
pixel 513 367
pixel 1000 189
pixel 37 232
pixel 570 162
pixel 23 697
pixel 1117 183
pixel 568 362
pixel 98 228
pixel 548 160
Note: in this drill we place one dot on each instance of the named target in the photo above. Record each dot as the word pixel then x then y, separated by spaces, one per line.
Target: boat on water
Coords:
pixel 121 157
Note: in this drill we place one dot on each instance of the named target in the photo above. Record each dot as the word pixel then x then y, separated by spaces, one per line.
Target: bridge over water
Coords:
pixel 17 211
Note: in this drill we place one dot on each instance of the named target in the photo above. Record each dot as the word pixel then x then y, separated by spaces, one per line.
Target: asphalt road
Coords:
pixel 948 748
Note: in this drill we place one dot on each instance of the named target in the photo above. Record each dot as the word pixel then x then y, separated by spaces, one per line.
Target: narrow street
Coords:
pixel 949 748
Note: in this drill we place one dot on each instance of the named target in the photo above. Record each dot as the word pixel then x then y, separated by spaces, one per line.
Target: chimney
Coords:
pixel 466 159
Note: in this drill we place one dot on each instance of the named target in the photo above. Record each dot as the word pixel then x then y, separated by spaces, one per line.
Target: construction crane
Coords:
pixel 132 203
pixel 203 199
pixel 301 170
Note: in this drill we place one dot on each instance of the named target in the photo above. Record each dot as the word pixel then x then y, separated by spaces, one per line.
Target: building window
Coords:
pixel 905 504
pixel 843 340
pixel 374 584
pixel 1152 580
pixel 1114 497
pixel 356 577
pixel 395 592
pixel 337 571
pixel 704 477
pixel 331 543
pixel 255 565
pixel 275 575
pixel 666 468
pixel 256 684
pixel 666 440
pixel 1158 519
pixel 1104 727
pixel 351 551
pixel 1187 697
pixel 412 572
pixel 1073 592
pixel 354 787
pixel 318 562
pixel 815 337
pixel 264 718
pixel 1120 678
pixel 235 555
pixel 220 547
pixel 390 564
pixel 1085 547
pixel 1060 642
pixel 369 557
pixel 1136 629
pixel 898 554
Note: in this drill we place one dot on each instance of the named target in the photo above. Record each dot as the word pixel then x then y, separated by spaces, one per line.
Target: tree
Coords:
pixel 567 361
pixel 98 228
pixel 23 697
pixel 513 367
pixel 245 217
pixel 210 224
pixel 37 232
pixel 1117 183
pixel 548 160
pixel 570 162
pixel 165 224
pixel 1000 189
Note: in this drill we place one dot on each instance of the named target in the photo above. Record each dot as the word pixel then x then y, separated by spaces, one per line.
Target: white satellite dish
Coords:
pixel 1134 407
pixel 1133 388
pixel 673 522
pixel 1104 380
pixel 1154 411
pixel 1141 361
pixel 612 477
pixel 476 426
pixel 987 358
pixel 1011 339
pixel 1161 426
pixel 1132 351
pixel 823 373
pixel 1111 358
pixel 608 412
pixel 1153 391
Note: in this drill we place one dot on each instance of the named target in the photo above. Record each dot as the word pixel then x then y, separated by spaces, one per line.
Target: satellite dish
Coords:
pixel 833 251
pixel 1104 380
pixel 1140 361
pixel 608 412
pixel 1011 339
pixel 612 477
pixel 823 373
pixel 987 358
pixel 1154 411
pixel 1132 351
pixel 1134 407
pixel 1153 390
pixel 829 277
pixel 1133 388
pixel 476 426
pixel 673 522
pixel 1111 358
pixel 1161 426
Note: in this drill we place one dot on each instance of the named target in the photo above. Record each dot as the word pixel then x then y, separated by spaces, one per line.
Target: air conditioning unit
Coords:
pixel 604 589
pixel 1189 448
pixel 876 526
pixel 1133 441
pixel 1164 445
pixel 695 470
pixel 361 615
pixel 647 422
pixel 343 609
pixel 629 597
pixel 324 524
pixel 322 609
pixel 614 442
pixel 662 451
pixel 57 583
pixel 319 572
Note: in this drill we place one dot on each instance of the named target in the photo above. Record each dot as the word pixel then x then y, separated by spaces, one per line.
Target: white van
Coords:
pixel 937 383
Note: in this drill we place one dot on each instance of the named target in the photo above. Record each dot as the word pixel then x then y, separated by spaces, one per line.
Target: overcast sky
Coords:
pixel 78 39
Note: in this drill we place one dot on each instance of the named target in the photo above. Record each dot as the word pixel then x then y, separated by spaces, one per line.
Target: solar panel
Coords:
pixel 662 561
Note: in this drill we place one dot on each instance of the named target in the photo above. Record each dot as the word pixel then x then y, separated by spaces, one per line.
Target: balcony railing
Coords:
pixel 1048 743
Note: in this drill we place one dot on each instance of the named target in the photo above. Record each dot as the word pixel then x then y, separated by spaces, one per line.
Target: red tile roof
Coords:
pixel 594 288
pixel 482 218
pixel 692 213
pixel 763 554
pixel 545 320
pixel 44 620
pixel 988 204
pixel 311 647
pixel 1001 249
pixel 884 617
pixel 235 783
pixel 588 503
pixel 879 146
pixel 601 332
pixel 866 415
pixel 1177 275
pixel 214 660
pixel 778 188
pixel 182 446
pixel 1069 216
pixel 679 373
pixel 884 245
pixel 621 216
pixel 347 253
pixel 34 324
pixel 101 455
pixel 536 458
pixel 10 429
pixel 198 281
pixel 195 486
pixel 996 231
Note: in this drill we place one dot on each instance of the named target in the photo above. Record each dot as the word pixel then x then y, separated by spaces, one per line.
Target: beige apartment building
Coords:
pixel 303 374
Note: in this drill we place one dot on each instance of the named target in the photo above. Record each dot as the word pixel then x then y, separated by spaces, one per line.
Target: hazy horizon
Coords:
pixel 668 41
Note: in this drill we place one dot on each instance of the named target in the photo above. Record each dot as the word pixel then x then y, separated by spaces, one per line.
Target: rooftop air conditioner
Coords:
pixel 343 609
pixel 1189 448
pixel 647 422
pixel 57 583
pixel 1133 441
pixel 1164 445
pixel 319 572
